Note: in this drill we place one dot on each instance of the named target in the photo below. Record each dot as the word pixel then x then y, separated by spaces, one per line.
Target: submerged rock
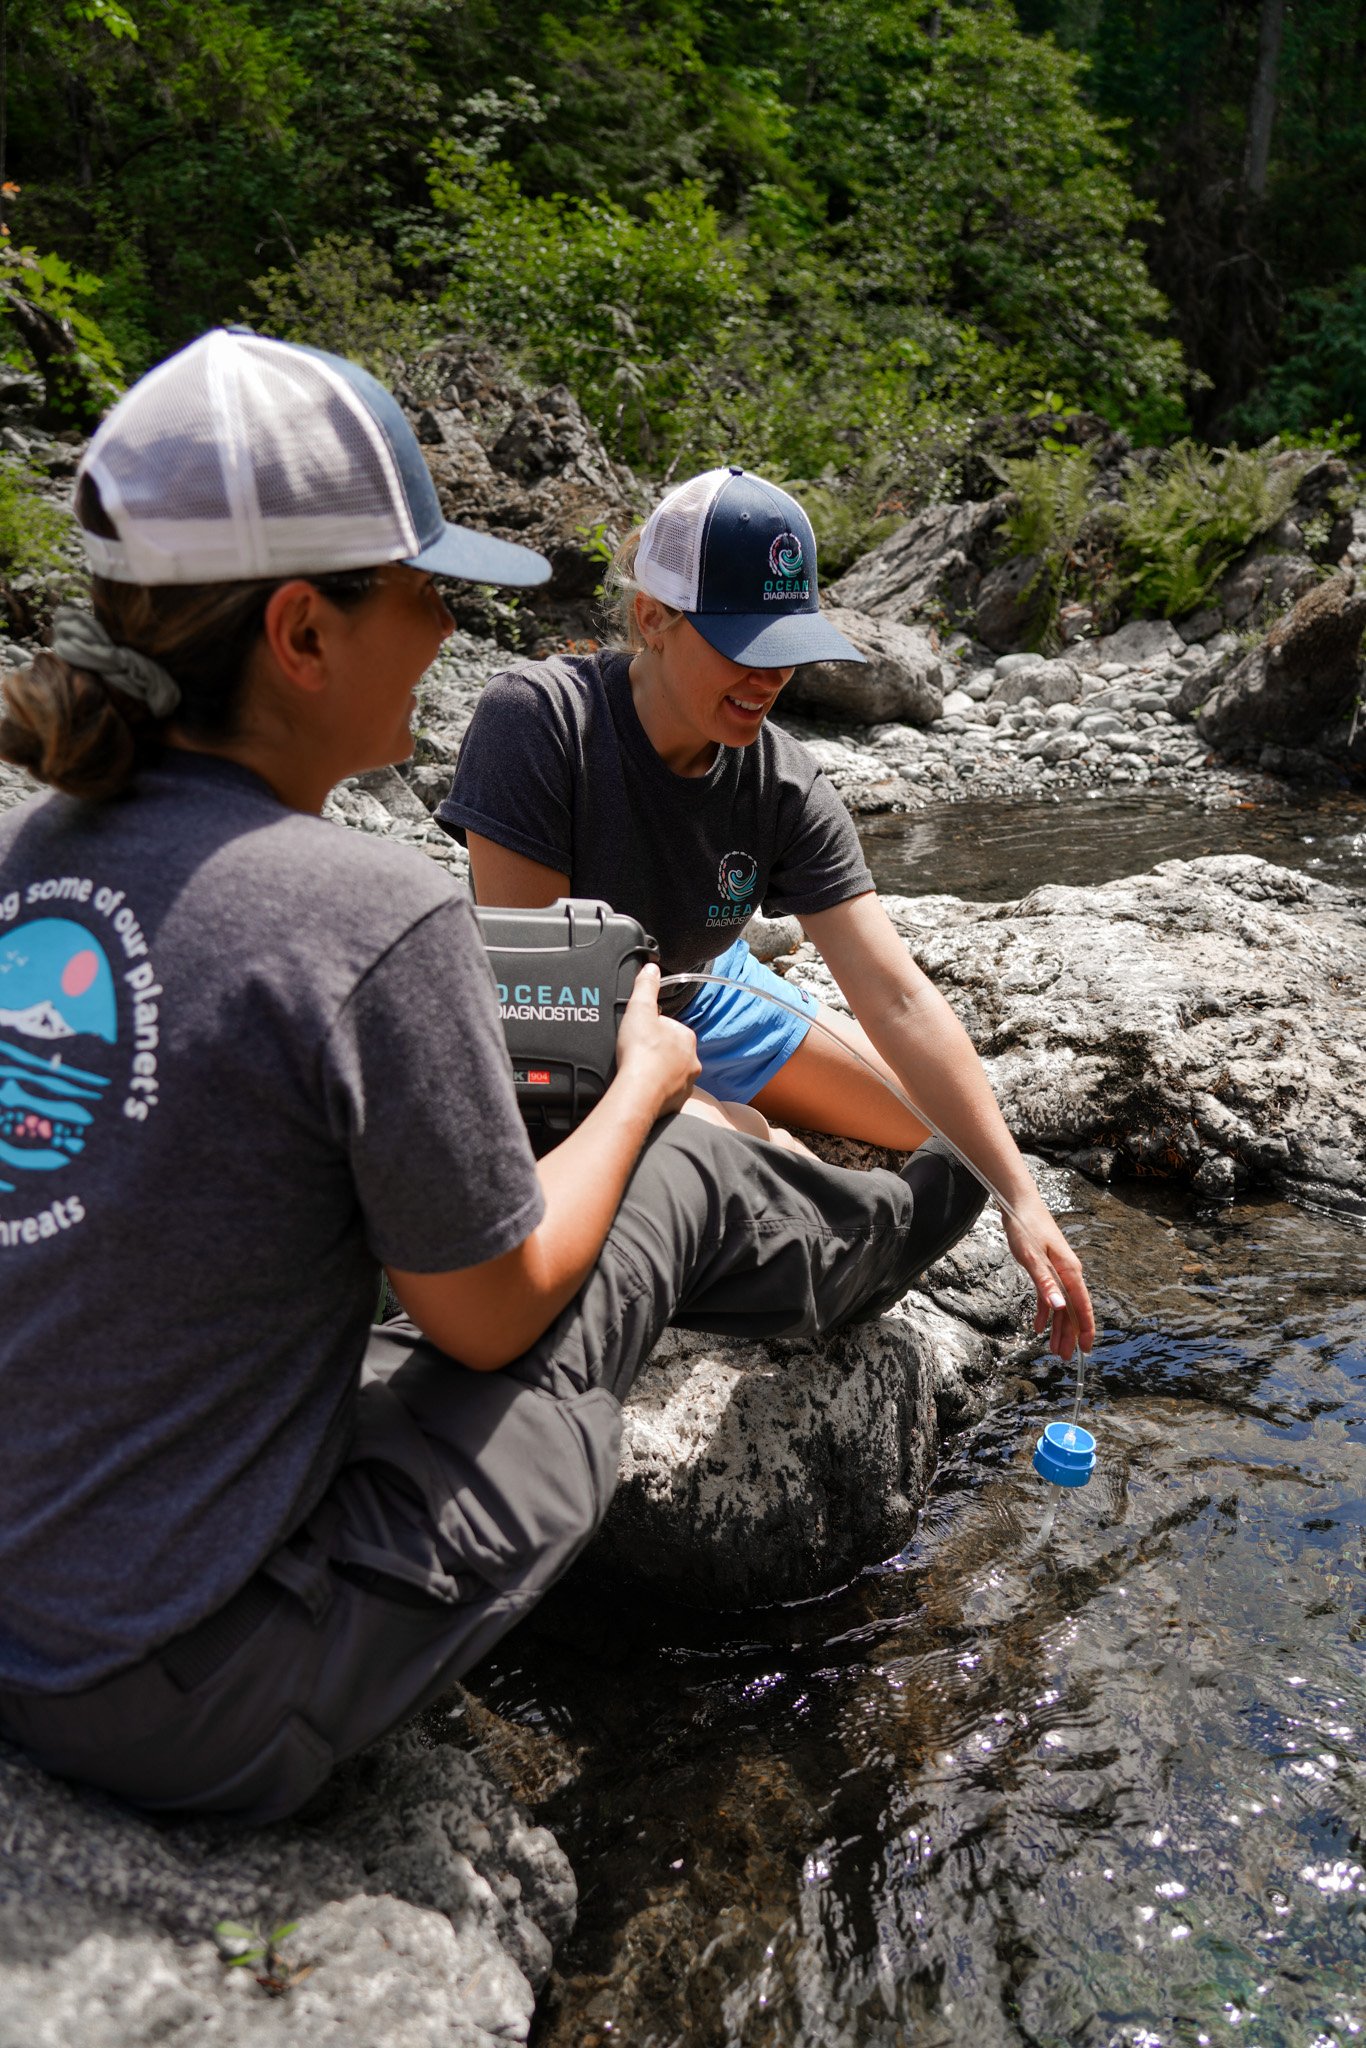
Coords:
pixel 427 1909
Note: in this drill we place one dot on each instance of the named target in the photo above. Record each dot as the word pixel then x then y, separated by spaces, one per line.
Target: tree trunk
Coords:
pixel 1262 113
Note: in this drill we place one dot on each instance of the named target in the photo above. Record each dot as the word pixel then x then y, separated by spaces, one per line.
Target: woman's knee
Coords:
pixel 947 1197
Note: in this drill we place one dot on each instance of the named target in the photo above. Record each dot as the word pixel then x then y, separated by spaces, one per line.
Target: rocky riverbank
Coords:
pixel 1204 1022
pixel 415 1903
pixel 1255 691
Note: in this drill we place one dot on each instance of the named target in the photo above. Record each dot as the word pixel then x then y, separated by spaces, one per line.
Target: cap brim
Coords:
pixel 774 643
pixel 479 558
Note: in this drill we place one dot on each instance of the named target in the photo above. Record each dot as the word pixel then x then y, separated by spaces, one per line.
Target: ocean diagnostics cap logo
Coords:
pixel 785 557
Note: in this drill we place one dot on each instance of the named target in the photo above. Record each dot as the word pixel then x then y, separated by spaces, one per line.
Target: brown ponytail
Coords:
pixel 71 729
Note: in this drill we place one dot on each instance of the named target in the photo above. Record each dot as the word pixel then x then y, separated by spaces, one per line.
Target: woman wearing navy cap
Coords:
pixel 247 1060
pixel 650 777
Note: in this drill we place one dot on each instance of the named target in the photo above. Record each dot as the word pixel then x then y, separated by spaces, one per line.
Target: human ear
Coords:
pixel 294 631
pixel 652 617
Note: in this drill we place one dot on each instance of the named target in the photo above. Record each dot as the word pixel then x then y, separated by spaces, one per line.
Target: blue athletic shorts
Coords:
pixel 742 1040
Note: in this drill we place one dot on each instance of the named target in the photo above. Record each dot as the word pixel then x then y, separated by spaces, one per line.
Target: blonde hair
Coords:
pixel 77 731
pixel 619 593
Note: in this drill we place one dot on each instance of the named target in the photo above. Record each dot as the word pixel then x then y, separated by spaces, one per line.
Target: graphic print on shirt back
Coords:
pixel 59 1016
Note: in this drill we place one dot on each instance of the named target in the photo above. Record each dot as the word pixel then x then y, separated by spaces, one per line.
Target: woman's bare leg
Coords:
pixel 741 1117
pixel 824 1088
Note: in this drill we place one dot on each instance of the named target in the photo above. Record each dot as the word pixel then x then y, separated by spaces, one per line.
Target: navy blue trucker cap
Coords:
pixel 242 457
pixel 737 557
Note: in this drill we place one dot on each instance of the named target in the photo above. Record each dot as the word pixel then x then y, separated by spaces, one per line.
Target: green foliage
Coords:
pixel 107 13
pixel 343 295
pixel 1052 507
pixel 1317 392
pixel 989 186
pixel 1339 437
pixel 1052 491
pixel 258 1950
pixel 818 233
pixel 31 529
pixel 1187 520
pixel 42 321
pixel 1179 525
pixel 629 310
pixel 1179 75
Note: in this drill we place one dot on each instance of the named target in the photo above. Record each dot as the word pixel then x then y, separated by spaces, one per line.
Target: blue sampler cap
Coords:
pixel 737 557
pixel 242 457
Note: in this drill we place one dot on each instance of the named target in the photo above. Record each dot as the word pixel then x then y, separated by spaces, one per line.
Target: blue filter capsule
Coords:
pixel 1065 1454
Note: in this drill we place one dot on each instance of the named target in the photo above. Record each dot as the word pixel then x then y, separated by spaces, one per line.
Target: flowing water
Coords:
pixel 1094 1781
pixel 990 852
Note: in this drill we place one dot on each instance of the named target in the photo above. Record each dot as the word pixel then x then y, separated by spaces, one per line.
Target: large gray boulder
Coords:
pixel 752 1473
pixel 530 467
pixel 1049 682
pixel 1261 585
pixel 1205 1022
pixel 1299 687
pixel 930 566
pixel 427 1905
pixel 1010 601
pixel 902 681
pixel 1141 644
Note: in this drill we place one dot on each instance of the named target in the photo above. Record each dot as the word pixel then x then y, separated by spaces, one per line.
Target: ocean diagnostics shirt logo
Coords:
pixel 59 1015
pixel 736 882
pixel 788 582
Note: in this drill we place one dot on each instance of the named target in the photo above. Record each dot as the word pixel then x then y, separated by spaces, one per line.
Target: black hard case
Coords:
pixel 564 975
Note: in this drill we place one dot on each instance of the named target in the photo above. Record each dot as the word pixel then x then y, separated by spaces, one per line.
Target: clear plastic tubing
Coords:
pixel 894 1088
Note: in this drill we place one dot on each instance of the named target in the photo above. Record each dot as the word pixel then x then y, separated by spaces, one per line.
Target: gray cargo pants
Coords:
pixel 465 1495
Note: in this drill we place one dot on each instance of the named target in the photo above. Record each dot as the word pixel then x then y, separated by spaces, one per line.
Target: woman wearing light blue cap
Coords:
pixel 650 776
pixel 248 1059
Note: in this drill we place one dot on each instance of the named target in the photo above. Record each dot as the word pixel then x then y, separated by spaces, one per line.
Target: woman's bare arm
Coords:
pixel 923 1042
pixel 510 879
pixel 489 1314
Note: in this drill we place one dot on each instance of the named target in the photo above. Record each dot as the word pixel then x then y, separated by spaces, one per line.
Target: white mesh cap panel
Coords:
pixel 240 459
pixel 323 480
pixel 669 557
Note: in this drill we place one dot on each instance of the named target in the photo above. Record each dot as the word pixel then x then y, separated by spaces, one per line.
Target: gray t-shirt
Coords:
pixel 245 1056
pixel 557 766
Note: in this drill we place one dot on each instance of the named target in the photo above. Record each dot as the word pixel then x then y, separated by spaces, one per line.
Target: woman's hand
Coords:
pixel 656 1053
pixel 1064 1306
pixel 487 1315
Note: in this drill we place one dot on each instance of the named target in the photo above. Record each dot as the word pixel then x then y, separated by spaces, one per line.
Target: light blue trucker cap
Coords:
pixel 242 457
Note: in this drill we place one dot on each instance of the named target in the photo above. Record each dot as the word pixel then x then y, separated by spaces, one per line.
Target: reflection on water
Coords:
pixel 992 852
pixel 1110 1788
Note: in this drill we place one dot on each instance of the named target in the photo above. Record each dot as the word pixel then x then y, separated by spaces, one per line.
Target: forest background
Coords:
pixel 828 237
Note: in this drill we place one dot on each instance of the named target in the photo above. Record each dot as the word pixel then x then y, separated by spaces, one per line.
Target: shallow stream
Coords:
pixel 991 852
pixel 1106 1789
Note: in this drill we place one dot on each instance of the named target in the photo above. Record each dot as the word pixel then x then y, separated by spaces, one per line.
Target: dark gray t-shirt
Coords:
pixel 557 766
pixel 245 1056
